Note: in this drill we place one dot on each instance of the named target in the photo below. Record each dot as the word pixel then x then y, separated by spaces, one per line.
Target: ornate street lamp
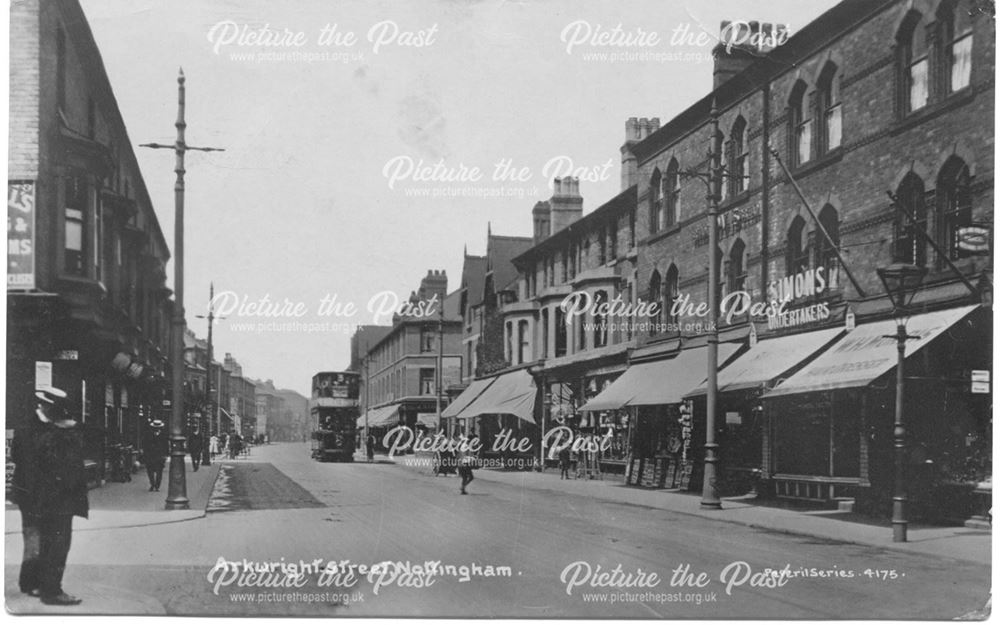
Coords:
pixel 902 281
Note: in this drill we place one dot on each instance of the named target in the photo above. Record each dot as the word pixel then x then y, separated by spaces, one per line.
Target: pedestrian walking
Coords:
pixel 466 462
pixel 370 447
pixel 155 450
pixel 564 463
pixel 51 488
pixel 223 443
pixel 213 446
pixel 195 448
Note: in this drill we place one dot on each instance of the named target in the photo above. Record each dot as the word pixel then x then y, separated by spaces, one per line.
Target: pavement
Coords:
pixel 957 543
pixel 132 504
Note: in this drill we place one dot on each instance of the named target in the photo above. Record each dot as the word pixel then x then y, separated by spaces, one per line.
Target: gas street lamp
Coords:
pixel 902 281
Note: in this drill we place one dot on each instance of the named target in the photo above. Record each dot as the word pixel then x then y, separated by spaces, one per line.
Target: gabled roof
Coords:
pixel 473 277
pixel 500 251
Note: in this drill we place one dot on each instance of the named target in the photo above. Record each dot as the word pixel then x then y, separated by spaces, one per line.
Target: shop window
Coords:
pixel 76 213
pixel 565 266
pixel 826 254
pixel 800 125
pixel 631 230
pixel 656 217
pixel 954 206
pixel 655 296
pixel 737 266
pixel 829 108
pixel 910 246
pixel 572 260
pixel 468 359
pixel 736 157
pixel 913 66
pixel 581 333
pixel 509 337
pixel 670 293
pixel 797 250
pixel 956 37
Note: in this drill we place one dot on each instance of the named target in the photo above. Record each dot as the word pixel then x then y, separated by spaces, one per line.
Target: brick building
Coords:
pixel 401 376
pixel 88 307
pixel 868 98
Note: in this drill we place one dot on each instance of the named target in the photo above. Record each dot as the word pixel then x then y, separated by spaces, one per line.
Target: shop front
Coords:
pixel 666 441
pixel 832 423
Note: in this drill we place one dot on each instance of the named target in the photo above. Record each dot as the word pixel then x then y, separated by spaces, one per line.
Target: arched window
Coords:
pixel 913 64
pixel 910 246
pixel 655 295
pixel 736 158
pixel 672 189
pixel 797 251
pixel 670 293
pixel 956 40
pixel 737 266
pixel 826 254
pixel 829 112
pixel 954 205
pixel 801 124
pixel 655 202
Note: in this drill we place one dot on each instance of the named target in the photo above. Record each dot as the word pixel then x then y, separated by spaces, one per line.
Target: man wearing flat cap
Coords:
pixel 50 486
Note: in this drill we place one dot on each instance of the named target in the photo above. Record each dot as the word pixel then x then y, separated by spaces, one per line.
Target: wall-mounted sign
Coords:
pixel 805 284
pixel 20 235
pixel 799 316
pixel 980 381
pixel 43 374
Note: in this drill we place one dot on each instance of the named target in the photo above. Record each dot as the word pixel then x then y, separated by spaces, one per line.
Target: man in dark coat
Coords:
pixel 155 449
pixel 53 489
pixel 195 443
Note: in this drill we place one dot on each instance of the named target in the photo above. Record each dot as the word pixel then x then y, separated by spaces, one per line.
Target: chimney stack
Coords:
pixel 541 216
pixel 434 283
pixel 635 131
pixel 566 204
pixel 742 43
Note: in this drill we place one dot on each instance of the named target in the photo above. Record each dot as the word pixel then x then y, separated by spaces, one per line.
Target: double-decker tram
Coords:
pixel 334 412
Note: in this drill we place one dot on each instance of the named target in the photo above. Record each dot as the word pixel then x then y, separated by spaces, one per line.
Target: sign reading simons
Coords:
pixel 808 284
pixel 21 235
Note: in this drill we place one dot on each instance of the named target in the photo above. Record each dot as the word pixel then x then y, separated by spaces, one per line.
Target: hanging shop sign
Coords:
pixel 974 239
pixel 21 235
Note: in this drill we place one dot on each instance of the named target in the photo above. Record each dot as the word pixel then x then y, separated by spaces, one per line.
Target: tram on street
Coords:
pixel 334 411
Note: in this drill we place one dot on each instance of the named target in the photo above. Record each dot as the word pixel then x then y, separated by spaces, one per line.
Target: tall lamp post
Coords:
pixel 713 179
pixel 177 486
pixel 902 281
pixel 206 432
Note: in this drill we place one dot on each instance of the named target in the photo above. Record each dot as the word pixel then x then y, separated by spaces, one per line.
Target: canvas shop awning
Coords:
pixel 466 397
pixel 659 382
pixel 511 393
pixel 770 358
pixel 378 417
pixel 867 352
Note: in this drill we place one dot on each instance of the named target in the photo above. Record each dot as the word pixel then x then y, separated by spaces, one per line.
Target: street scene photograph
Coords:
pixel 483 309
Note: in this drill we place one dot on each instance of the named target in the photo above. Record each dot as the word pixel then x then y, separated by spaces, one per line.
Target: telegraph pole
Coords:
pixel 177 486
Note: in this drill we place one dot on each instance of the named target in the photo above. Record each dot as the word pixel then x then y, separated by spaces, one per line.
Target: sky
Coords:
pixel 369 142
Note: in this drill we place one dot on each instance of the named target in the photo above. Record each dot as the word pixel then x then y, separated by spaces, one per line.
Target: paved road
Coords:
pixel 282 506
